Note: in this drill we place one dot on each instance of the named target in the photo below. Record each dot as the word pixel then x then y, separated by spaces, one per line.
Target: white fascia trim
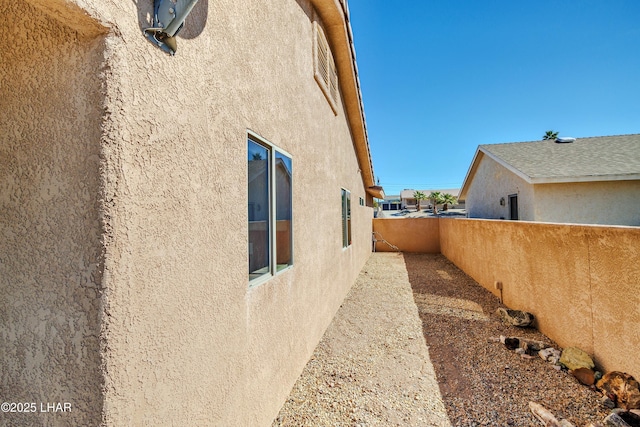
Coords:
pixel 469 176
pixel 585 178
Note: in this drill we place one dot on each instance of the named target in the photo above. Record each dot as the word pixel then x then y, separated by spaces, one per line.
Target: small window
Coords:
pixel 325 71
pixel 269 209
pixel 346 218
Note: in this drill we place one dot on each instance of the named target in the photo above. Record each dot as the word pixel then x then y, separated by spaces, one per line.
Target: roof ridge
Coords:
pixel 576 137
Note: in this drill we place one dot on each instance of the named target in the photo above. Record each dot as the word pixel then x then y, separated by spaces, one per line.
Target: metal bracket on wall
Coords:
pixel 168 20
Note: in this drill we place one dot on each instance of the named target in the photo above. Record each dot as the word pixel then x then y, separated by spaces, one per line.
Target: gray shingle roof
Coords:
pixel 585 159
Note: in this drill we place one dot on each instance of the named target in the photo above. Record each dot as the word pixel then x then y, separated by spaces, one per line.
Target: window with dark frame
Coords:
pixel 346 218
pixel 270 209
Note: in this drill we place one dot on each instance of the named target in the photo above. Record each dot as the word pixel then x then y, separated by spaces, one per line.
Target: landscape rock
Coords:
pixel 614 420
pixel 574 358
pixel 512 343
pixel 630 418
pixel 584 375
pixel 518 318
pixel 550 354
pixel 546 417
pixel 532 347
pixel 607 403
pixel 523 345
pixel 622 388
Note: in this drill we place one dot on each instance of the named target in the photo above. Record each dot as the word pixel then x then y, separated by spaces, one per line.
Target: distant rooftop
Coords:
pixel 585 159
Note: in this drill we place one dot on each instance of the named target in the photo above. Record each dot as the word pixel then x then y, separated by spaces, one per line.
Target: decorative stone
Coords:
pixel 550 354
pixel 518 318
pixel 622 388
pixel 630 418
pixel 574 358
pixel 607 403
pixel 532 346
pixel 512 343
pixel 584 375
pixel 614 420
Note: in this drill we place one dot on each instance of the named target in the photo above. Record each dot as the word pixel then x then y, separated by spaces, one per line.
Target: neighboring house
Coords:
pixel 408 200
pixel 176 232
pixel 585 180
pixel 391 203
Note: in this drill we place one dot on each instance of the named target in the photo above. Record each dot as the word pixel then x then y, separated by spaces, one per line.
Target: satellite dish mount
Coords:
pixel 168 20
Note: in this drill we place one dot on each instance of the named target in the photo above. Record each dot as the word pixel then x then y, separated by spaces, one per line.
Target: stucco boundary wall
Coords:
pixel 419 235
pixel 581 282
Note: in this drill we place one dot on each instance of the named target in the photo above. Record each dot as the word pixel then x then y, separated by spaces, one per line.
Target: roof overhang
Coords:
pixel 376 191
pixel 584 178
pixel 470 174
pixel 335 17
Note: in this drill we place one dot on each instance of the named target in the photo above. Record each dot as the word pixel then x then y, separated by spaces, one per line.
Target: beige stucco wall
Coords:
pixel 109 128
pixel 491 182
pixel 606 202
pixel 419 235
pixel 50 248
pixel 581 282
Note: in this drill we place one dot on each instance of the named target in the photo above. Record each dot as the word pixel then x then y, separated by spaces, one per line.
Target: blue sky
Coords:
pixel 440 77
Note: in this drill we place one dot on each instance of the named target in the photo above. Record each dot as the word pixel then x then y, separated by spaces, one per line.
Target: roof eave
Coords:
pixel 585 178
pixel 376 191
pixel 470 174
pixel 335 16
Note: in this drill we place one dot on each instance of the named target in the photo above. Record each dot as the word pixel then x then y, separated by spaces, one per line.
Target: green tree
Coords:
pixel 550 135
pixel 419 195
pixel 448 199
pixel 436 199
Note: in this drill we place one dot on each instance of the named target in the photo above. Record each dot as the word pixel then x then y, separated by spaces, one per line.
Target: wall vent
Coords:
pixel 325 72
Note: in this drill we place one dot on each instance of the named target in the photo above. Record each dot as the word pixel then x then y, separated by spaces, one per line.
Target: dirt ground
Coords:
pixel 414 344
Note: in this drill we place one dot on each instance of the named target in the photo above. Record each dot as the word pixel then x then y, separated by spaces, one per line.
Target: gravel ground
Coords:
pixel 414 344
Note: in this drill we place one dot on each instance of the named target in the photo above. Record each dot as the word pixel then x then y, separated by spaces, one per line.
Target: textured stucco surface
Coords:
pixel 50 233
pixel 125 196
pixel 419 235
pixel 581 282
pixel 607 202
pixel 492 182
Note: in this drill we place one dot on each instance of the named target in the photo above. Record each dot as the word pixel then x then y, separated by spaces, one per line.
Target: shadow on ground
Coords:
pixel 481 382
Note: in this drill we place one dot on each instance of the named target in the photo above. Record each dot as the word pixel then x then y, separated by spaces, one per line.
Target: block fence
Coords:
pixel 582 282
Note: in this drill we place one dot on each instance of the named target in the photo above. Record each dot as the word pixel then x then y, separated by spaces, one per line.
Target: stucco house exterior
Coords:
pixel 592 180
pixel 176 232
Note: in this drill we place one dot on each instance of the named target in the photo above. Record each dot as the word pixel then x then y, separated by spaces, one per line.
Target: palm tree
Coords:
pixel 550 135
pixel 448 199
pixel 419 195
pixel 436 198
